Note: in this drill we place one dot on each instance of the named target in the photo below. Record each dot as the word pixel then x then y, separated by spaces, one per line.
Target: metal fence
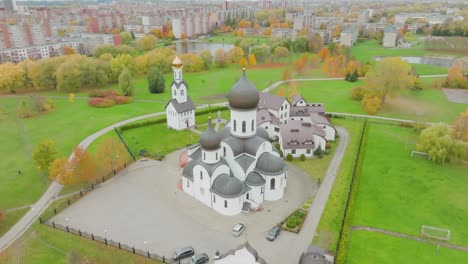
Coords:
pixel 109 242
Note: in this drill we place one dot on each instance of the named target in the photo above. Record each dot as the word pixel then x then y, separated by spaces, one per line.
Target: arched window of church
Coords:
pixel 175 93
pixel 204 156
pixel 225 203
pixel 224 151
pixel 216 155
pixel 272 184
pixel 252 125
pixel 235 125
pixel 244 126
pixel 182 92
pixel 201 175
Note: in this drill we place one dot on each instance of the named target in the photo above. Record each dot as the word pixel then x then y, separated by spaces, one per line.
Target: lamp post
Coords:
pixel 146 247
pixel 105 233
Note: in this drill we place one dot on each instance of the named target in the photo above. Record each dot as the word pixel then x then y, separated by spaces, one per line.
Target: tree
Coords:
pixel 126 82
pixel 292 91
pixel 252 59
pixel 438 142
pixel 207 58
pixel 287 74
pixel 221 58
pixel 460 127
pixel 324 53
pixel 126 37
pixel 12 77
pixel 61 171
pixel 119 63
pixel 236 54
pixel 68 75
pixel 147 42
pixel 44 154
pixel 456 77
pixel 335 65
pixel 388 77
pixel 156 82
pixel 300 64
pixel 111 154
pixel 300 44
pixel 243 62
pixel 80 167
pixel 371 103
pixel 336 32
pixel 315 43
pixel 281 92
pixel 281 52
pixel 192 62
pixel 157 33
pixel 67 50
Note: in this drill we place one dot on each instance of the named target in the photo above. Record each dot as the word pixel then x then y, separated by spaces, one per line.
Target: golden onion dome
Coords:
pixel 177 62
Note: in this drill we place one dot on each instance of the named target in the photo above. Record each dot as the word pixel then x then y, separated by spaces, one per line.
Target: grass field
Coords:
pixel 366 247
pixel 43 245
pixel 10 218
pixel 401 194
pixel 330 223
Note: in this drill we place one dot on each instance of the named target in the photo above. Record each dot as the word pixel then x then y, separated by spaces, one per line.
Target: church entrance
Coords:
pixel 247 196
pixel 187 123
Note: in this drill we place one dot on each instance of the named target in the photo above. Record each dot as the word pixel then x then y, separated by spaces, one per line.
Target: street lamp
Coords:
pixel 105 233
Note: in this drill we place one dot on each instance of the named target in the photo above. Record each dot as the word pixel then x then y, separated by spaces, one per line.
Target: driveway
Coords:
pixel 143 203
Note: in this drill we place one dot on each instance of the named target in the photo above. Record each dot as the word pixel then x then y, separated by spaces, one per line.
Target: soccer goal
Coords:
pixel 435 232
pixel 415 153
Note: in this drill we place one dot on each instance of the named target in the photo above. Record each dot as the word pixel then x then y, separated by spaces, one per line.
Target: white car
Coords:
pixel 238 229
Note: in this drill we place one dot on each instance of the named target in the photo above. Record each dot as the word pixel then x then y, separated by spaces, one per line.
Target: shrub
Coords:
pixel 371 103
pixel 299 214
pixel 102 93
pixel 318 152
pixel 292 222
pixel 328 145
pixel 101 102
pixel 302 157
pixel 122 99
pixel 289 157
pixel 357 93
pixel 309 201
pixel 306 206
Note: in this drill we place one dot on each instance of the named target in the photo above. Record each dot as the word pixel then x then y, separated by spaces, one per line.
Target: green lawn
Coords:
pixel 426 105
pixel 401 194
pixel 366 247
pixel 43 245
pixel 67 125
pixel 10 219
pixel 330 223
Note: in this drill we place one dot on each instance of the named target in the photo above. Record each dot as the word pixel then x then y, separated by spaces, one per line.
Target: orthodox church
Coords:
pixel 180 111
pixel 237 168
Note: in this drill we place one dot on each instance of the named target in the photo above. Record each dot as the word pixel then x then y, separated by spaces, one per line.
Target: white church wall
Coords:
pixel 228 206
pixel 247 116
pixel 330 132
pixel 319 142
pixel 187 186
pixel 201 185
pixel 256 194
pixel 274 187
pixel 211 157
pixel 296 153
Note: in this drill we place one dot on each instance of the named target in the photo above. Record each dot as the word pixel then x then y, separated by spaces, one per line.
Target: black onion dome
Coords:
pixel 243 95
pixel 209 139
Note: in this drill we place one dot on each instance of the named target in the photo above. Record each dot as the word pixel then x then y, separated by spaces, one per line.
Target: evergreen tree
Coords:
pixel 156 80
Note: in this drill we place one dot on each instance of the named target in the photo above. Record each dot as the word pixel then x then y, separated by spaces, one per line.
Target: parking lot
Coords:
pixel 143 203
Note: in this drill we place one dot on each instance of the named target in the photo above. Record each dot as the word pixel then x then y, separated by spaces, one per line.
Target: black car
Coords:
pixel 273 233
pixel 199 259
pixel 183 253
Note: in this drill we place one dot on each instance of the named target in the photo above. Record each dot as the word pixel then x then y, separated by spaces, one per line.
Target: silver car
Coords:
pixel 238 229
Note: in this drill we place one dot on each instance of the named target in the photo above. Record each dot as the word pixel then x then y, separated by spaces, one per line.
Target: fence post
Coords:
pixel 40 220
pixel 120 247
pixel 79 231
pixel 68 230
pixel 68 201
pixel 148 254
pixel 92 186
pixel 133 249
pixel 105 240
pixel 125 165
pixel 55 211
pixel 92 236
pixel 81 193
pixel 53 224
pixel 164 259
pixel 103 177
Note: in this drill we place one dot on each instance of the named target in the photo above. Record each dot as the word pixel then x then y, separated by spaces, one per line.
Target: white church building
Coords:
pixel 180 111
pixel 237 168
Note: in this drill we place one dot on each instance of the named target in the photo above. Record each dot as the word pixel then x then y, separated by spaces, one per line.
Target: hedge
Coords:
pixel 346 222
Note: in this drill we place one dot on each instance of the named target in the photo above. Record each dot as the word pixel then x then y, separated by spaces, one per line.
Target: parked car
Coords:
pixel 238 229
pixel 199 259
pixel 183 253
pixel 273 233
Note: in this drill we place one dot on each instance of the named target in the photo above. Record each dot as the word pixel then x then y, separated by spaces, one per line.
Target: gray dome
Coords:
pixel 261 132
pixel 254 179
pixel 227 186
pixel 225 132
pixel 270 164
pixel 243 95
pixel 209 140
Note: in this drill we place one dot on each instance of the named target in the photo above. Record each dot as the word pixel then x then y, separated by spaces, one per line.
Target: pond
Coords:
pixel 197 47
pixel 439 62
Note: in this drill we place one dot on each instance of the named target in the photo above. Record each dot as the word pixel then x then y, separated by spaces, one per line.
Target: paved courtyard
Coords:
pixel 143 203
